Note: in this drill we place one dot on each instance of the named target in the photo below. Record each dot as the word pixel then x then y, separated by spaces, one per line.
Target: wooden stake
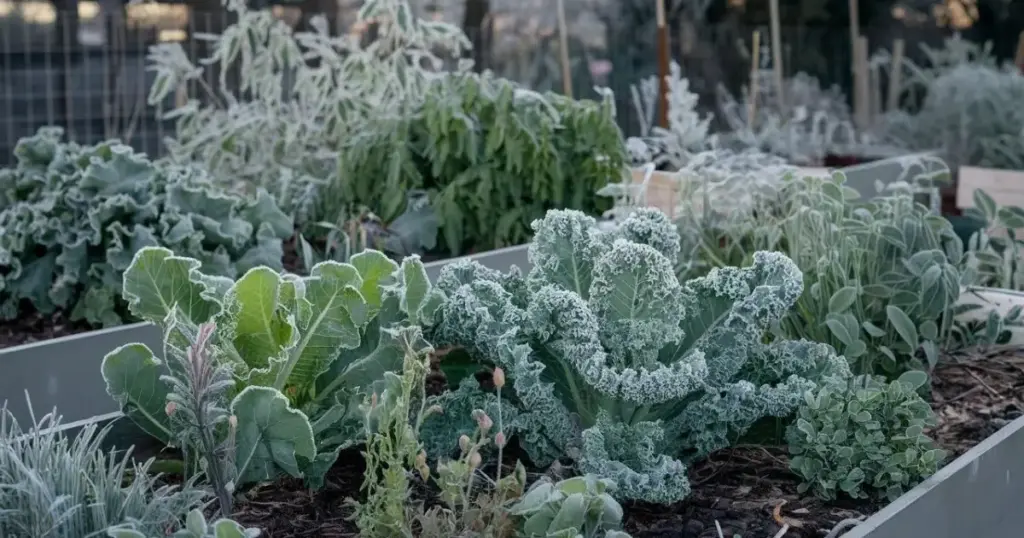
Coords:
pixel 777 51
pixel 895 75
pixel 755 65
pixel 663 61
pixel 863 83
pixel 876 92
pixel 1019 57
pixel 854 62
pixel 563 42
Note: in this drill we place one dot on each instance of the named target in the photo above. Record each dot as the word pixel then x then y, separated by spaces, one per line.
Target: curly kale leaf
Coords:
pixel 617 364
pixel 74 217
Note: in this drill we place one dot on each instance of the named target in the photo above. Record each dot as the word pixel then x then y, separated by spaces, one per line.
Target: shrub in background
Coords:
pixel 493 156
pixel 864 440
pixel 73 217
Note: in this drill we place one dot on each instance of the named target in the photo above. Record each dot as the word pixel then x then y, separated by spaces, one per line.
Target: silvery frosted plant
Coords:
pixel 808 125
pixel 299 95
pixel 580 507
pixel 56 487
pixel 617 364
pixel 196 526
pixel 687 132
pixel 969 111
pixel 864 440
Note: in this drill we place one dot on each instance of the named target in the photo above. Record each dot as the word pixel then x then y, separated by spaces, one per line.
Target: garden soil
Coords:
pixel 744 491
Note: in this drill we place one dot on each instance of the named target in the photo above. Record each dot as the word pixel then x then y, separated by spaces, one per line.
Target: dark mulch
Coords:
pixel 35 327
pixel 744 490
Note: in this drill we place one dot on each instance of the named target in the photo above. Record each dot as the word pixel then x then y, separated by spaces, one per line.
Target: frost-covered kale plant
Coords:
pixel 57 487
pixel 970 109
pixel 618 365
pixel 298 97
pixel 864 440
pixel 299 352
pixel 72 217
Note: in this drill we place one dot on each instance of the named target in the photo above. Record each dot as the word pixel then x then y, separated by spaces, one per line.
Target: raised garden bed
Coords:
pixel 64 372
pixel 749 490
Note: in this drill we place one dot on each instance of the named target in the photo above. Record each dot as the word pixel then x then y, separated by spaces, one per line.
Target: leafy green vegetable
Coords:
pixel 300 349
pixel 74 217
pixel 617 364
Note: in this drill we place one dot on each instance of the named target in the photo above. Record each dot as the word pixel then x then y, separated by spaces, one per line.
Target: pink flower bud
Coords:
pixel 474 460
pixel 499 377
pixel 499 440
pixel 464 443
pixel 170 407
pixel 484 422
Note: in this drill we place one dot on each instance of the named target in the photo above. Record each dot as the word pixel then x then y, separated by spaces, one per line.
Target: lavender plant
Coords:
pixel 56 487
pixel 300 350
pixel 73 216
pixel 618 365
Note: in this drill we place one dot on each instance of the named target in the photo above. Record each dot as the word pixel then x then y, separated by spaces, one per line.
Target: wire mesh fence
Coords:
pixel 86 70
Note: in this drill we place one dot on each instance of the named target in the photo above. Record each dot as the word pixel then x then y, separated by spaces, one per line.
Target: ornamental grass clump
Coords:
pixel 56 487
pixel 616 364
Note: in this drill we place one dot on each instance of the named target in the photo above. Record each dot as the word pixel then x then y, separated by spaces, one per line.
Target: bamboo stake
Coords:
pixel 663 61
pixel 563 42
pixel 895 75
pixel 754 78
pixel 777 50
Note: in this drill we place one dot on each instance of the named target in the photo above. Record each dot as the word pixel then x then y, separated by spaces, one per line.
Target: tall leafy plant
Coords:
pixel 298 351
pixel 74 216
pixel 493 157
pixel 616 363
pixel 881 275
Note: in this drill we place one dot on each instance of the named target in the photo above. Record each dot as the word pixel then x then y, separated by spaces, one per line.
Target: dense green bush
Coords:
pixel 493 157
pixel 73 217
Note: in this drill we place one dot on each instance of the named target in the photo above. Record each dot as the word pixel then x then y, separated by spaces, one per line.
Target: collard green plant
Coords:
pixel 580 507
pixel 196 526
pixel 615 363
pixel 881 275
pixel 74 216
pixel 864 440
pixel 56 487
pixel 492 155
pixel 299 348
